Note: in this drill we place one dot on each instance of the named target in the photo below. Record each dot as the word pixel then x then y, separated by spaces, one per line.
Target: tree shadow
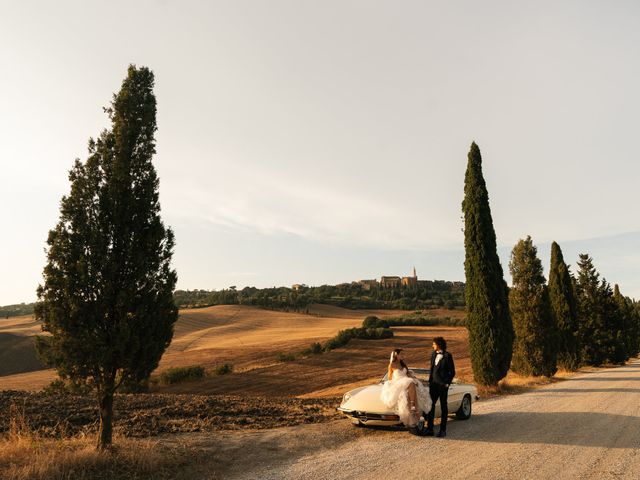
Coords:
pixel 586 429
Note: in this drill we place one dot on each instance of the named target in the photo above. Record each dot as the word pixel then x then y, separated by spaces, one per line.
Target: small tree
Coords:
pixel 535 344
pixel 564 310
pixel 107 297
pixel 488 319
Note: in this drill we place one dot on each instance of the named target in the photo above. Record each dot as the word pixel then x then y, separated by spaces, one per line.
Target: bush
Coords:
pixel 314 349
pixel 223 369
pixel 374 322
pixel 285 357
pixel 344 336
pixel 413 320
pixel 181 374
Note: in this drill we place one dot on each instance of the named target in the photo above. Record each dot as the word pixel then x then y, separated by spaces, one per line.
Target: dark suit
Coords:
pixel 440 378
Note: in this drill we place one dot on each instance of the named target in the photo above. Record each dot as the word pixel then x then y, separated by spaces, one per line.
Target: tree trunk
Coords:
pixel 106 420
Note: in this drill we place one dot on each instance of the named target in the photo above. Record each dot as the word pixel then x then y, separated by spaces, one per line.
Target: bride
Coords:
pixel 403 392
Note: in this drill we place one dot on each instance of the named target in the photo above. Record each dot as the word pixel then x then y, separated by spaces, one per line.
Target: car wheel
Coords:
pixel 464 412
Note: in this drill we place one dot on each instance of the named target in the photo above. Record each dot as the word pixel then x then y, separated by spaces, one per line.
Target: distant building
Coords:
pixel 367 285
pixel 390 282
pixel 298 286
pixel 410 281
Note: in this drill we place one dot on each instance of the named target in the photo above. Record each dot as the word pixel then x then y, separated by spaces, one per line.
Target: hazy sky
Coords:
pixel 321 142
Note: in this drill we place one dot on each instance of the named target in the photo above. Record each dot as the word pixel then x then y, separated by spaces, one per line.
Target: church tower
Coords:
pixel 414 273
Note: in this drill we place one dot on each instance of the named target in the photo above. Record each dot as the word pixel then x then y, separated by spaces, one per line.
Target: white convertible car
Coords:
pixel 364 406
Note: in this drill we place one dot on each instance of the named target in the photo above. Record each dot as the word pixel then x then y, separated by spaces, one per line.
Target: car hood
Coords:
pixel 366 399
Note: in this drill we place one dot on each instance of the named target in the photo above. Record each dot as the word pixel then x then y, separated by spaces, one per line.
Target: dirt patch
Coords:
pixel 152 414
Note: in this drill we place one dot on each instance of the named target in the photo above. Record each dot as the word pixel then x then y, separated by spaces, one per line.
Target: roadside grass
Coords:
pixel 26 455
pixel 514 384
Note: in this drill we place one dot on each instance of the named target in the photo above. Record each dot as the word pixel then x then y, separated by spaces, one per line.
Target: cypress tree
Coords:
pixel 488 319
pixel 635 320
pixel 614 325
pixel 626 323
pixel 591 331
pixel 564 310
pixel 601 337
pixel 593 338
pixel 107 296
pixel 535 344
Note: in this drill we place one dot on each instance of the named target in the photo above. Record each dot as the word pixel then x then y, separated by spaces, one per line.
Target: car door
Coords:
pixel 455 395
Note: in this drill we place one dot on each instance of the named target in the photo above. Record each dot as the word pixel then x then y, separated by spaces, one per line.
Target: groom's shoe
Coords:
pixel 442 434
pixel 428 432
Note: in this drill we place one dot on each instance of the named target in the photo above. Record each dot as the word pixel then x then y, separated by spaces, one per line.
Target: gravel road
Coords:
pixel 587 427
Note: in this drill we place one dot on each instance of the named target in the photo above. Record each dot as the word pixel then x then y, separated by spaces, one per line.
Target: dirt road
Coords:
pixel 587 427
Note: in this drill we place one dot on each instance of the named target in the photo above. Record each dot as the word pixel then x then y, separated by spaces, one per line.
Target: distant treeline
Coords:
pixel 16 310
pixel 425 295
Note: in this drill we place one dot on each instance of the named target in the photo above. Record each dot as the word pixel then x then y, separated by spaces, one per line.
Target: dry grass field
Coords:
pixel 250 339
pixel 17 351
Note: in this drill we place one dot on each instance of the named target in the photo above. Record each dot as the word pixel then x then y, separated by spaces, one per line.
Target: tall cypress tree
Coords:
pixel 107 297
pixel 488 319
pixel 535 345
pixel 564 310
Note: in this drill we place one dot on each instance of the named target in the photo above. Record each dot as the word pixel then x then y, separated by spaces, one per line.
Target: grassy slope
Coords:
pixel 250 338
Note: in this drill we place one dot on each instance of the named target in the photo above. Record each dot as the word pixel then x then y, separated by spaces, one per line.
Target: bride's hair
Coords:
pixel 395 353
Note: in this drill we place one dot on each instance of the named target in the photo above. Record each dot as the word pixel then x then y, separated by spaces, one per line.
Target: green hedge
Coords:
pixel 181 374
pixel 344 336
pixel 413 320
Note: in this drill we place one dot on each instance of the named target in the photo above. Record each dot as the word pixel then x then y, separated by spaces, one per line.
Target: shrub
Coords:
pixel 285 357
pixel 181 374
pixel 374 322
pixel 344 336
pixel 223 369
pixel 314 349
pixel 413 320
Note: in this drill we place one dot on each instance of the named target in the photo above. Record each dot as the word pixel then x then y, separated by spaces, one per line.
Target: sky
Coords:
pixel 324 142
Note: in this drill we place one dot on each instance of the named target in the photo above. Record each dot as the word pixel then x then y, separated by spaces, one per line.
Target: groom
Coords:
pixel 442 372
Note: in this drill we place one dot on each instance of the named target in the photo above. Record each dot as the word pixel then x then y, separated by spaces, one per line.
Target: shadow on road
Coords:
pixel 554 428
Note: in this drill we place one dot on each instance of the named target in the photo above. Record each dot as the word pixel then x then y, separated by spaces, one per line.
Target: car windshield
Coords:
pixel 420 373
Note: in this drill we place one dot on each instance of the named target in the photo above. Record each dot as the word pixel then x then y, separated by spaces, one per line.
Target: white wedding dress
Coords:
pixel 395 395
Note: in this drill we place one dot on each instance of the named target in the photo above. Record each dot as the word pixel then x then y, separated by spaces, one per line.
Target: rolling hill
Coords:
pixel 250 338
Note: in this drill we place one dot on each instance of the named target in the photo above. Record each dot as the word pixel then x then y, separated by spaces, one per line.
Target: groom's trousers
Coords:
pixel 441 393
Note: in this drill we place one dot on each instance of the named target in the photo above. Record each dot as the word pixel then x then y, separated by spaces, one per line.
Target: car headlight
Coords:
pixel 345 398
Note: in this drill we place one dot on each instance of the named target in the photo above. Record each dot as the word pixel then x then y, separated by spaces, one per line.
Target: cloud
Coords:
pixel 275 203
